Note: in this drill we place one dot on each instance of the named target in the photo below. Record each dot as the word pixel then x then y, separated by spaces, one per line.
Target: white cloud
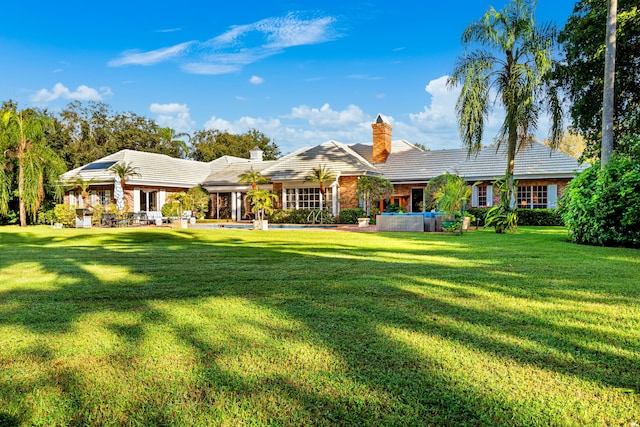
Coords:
pixel 327 118
pixel 149 58
pixel 239 46
pixel 59 91
pixel 173 115
pixel 256 80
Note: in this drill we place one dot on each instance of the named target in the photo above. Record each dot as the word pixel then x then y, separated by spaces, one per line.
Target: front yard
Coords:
pixel 239 327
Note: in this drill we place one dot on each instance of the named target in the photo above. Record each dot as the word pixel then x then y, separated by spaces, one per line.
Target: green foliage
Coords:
pixel 262 202
pixel 535 217
pixel 171 209
pixel 254 178
pixel 501 219
pixel 125 171
pixel 301 216
pixel 395 208
pixel 212 144
pixel 46 217
pixel 581 70
pixel 65 214
pixel 351 215
pixel 451 193
pixel 601 207
pixel 372 189
pixel 197 200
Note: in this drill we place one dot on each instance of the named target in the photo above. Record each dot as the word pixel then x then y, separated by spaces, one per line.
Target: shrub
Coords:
pixel 601 207
pixel 47 217
pixel 351 215
pixel 65 214
pixel 171 209
pixel 300 216
pixel 537 217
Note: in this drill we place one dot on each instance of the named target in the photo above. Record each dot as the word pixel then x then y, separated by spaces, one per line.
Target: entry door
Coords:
pixel 417 197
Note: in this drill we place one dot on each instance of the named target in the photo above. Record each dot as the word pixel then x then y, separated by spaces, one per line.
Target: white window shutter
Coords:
pixel 94 198
pixel 107 195
pixel 552 196
pixel 489 195
pixel 136 200
pixel 162 197
pixel 474 196
pixel 72 198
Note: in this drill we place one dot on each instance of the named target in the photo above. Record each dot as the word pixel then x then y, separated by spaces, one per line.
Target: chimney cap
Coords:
pixel 381 119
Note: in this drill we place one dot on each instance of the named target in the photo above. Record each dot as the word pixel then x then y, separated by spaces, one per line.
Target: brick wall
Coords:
pixel 348 192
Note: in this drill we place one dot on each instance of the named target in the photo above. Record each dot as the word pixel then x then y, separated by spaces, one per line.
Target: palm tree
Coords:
pixel 125 171
pixel 24 134
pixel 606 148
pixel 321 174
pixel 83 185
pixel 173 140
pixel 254 178
pixel 517 75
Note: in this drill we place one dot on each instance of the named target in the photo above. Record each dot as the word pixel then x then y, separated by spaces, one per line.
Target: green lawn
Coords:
pixel 240 327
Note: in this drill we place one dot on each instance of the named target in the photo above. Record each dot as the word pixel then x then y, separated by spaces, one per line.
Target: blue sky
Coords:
pixel 302 72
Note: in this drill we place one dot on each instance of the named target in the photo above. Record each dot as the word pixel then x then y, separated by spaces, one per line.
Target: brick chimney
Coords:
pixel 381 139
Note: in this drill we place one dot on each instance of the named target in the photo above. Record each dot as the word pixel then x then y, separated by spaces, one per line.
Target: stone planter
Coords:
pixel 260 224
pixel 363 222
pixel 179 223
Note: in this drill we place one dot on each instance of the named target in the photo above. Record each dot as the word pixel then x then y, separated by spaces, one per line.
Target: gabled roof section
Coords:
pixel 230 173
pixel 535 161
pixel 339 158
pixel 153 169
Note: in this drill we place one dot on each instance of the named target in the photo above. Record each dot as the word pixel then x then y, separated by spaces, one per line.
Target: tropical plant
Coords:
pixel 24 142
pixel 501 217
pixel 372 189
pixel 254 178
pixel 451 194
pixel 172 140
pixel 198 199
pixel 519 75
pixel 83 186
pixel 262 202
pixel 125 171
pixel 321 174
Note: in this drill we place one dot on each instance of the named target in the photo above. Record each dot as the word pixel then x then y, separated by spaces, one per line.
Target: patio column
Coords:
pixel 233 206
pixel 334 199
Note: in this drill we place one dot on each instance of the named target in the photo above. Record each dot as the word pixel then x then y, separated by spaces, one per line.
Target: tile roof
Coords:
pixel 230 174
pixel 153 169
pixel 336 156
pixel 535 161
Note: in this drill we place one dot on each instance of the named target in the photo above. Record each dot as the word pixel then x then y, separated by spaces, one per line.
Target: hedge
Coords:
pixel 301 216
pixel 538 217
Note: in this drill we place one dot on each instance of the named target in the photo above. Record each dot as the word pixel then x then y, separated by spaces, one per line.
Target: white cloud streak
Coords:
pixel 60 91
pixel 237 47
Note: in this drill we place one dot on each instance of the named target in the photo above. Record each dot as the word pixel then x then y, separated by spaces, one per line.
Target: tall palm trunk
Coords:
pixel 21 205
pixel 606 149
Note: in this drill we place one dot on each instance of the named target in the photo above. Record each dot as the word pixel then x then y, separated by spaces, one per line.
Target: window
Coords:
pixel 482 196
pixel 101 197
pixel 306 198
pixel 532 196
pixel 148 200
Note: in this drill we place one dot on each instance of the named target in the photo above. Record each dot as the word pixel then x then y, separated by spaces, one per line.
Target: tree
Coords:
pixel 609 84
pixel 571 143
pixel 518 76
pixel 262 202
pixel 83 186
pixel 125 171
pixel 212 144
pixel 452 193
pixel 372 189
pixel 321 174
pixel 24 136
pixel 581 71
pixel 173 141
pixel 254 178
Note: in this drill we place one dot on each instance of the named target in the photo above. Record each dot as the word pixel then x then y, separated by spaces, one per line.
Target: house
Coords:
pixel 542 175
